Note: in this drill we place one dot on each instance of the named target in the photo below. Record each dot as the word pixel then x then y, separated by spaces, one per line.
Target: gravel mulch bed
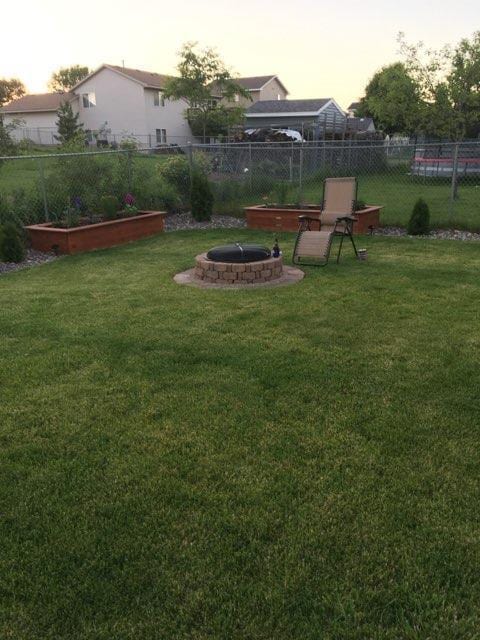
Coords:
pixel 33 259
pixel 182 221
pixel 436 234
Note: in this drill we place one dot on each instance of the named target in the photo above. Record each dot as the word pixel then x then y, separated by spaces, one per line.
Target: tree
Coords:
pixel 66 78
pixel 392 100
pixel 203 78
pixel 10 90
pixel 69 128
pixel 448 82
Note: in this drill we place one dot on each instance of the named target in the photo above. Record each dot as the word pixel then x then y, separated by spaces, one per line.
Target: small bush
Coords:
pixel 12 244
pixel 201 197
pixel 109 207
pixel 419 223
pixel 281 192
pixel 176 171
pixel 158 194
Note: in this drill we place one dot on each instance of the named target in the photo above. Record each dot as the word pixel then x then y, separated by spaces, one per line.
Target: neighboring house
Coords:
pixel 360 125
pixel 36 115
pixel 353 108
pixel 123 102
pixel 313 118
pixel 259 88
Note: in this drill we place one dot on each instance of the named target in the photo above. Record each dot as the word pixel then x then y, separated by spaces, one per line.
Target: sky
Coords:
pixel 318 49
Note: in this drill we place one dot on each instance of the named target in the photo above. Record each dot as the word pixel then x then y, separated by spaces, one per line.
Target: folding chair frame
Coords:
pixel 346 221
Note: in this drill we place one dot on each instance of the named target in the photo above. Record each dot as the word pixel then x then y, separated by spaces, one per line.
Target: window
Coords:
pixel 161 136
pixel 279 97
pixel 237 98
pixel 89 100
pixel 158 99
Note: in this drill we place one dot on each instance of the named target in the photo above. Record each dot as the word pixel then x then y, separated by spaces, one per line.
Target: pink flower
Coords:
pixel 129 200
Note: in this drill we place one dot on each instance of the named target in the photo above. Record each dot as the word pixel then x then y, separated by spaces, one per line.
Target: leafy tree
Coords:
pixel 448 83
pixel 70 130
pixel 66 78
pixel 202 78
pixel 392 100
pixel 10 89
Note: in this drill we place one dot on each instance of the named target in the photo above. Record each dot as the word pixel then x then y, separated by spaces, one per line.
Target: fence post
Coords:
pixel 454 183
pixel 43 189
pixel 300 176
pixel 250 183
pixel 129 169
pixel 190 164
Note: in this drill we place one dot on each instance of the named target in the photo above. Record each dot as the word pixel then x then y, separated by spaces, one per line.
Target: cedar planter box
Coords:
pixel 283 219
pixel 47 237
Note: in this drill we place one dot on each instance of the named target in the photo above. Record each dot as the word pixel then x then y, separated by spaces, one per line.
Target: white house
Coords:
pixel 118 101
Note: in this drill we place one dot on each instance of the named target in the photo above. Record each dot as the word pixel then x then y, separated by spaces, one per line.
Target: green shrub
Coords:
pixel 156 193
pixel 419 223
pixel 176 171
pixel 12 247
pixel 201 196
pixel 281 192
pixel 109 207
pixel 228 195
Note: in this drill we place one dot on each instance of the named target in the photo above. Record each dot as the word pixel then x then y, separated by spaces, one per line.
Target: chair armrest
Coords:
pixel 305 217
pixel 349 218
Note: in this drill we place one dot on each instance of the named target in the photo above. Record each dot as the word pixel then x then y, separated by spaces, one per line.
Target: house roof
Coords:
pixel 310 106
pixel 148 79
pixel 360 124
pixel 37 102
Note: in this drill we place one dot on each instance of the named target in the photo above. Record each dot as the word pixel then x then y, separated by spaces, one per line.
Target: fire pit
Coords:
pixel 238 264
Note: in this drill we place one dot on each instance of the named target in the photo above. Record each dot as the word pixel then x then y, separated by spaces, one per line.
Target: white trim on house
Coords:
pixel 270 80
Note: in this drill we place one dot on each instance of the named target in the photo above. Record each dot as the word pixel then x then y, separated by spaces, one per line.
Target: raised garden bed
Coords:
pixel 100 235
pixel 282 218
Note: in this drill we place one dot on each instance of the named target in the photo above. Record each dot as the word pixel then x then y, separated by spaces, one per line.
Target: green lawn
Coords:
pixel 285 463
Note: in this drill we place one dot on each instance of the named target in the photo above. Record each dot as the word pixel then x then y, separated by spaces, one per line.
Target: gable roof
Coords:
pixel 255 83
pixel 148 79
pixel 37 102
pixel 311 106
pixel 360 124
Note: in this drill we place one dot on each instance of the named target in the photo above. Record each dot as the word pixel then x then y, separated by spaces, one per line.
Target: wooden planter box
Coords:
pixel 47 237
pixel 280 219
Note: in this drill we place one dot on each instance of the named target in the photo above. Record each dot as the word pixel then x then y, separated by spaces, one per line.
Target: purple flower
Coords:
pixel 129 200
pixel 77 202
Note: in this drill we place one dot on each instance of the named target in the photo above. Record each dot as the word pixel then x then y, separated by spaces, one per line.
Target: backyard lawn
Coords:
pixel 284 463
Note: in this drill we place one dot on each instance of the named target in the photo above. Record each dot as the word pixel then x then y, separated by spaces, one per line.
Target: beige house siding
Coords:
pixel 37 126
pixel 119 103
pixel 169 117
pixel 272 90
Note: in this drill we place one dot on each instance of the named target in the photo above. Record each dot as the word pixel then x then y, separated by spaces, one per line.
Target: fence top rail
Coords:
pixel 68 155
pixel 310 145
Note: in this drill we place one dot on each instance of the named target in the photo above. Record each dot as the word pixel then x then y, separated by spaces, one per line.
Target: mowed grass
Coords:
pixel 298 462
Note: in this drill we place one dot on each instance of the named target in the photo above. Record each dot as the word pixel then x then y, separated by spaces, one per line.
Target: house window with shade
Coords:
pixel 161 136
pixel 88 100
pixel 158 99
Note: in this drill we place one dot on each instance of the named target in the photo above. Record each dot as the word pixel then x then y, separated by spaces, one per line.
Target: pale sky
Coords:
pixel 317 48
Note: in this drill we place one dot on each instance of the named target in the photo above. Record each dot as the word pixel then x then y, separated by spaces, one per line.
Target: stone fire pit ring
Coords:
pixel 263 273
pixel 237 273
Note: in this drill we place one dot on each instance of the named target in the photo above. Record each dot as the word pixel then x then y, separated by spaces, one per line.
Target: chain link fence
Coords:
pixel 38 188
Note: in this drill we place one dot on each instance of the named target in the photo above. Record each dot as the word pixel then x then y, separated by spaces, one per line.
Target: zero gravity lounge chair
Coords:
pixel 336 219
